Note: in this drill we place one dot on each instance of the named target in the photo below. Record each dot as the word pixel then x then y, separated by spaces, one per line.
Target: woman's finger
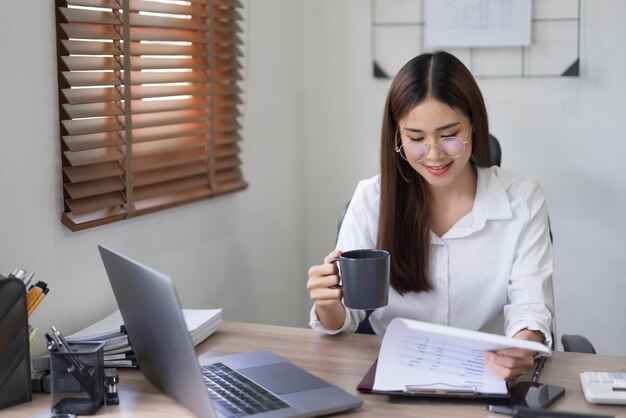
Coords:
pixel 323 270
pixel 326 294
pixel 322 282
pixel 332 256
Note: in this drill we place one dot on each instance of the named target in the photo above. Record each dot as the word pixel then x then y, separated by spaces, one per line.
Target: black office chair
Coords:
pixel 496 151
pixel 577 344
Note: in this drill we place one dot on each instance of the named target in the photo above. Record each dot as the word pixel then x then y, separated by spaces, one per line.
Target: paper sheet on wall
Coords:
pixel 425 356
pixel 477 23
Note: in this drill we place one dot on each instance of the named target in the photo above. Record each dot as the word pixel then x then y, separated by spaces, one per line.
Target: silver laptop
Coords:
pixel 258 383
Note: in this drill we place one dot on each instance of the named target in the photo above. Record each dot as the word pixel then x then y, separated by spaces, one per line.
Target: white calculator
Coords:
pixel 604 387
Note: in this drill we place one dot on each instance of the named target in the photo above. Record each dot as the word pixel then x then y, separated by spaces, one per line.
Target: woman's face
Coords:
pixel 427 124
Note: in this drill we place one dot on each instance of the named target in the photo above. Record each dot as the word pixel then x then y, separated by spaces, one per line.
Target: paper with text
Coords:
pixel 477 23
pixel 434 357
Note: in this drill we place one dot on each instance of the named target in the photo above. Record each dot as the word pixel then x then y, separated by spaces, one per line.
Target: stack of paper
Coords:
pixel 419 357
pixel 201 323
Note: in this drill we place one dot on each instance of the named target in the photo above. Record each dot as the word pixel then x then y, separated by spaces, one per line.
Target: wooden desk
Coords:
pixel 342 360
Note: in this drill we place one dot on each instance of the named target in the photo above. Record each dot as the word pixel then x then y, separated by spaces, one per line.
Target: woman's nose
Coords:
pixel 433 153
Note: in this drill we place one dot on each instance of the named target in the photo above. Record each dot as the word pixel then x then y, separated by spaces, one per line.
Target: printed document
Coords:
pixel 201 323
pixel 418 356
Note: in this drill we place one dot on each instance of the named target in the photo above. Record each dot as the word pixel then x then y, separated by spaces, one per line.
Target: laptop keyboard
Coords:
pixel 236 395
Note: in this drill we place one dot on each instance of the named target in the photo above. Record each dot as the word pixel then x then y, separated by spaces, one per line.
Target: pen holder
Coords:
pixel 77 379
pixel 15 383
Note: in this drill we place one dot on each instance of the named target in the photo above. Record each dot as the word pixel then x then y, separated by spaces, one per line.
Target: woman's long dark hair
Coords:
pixel 404 223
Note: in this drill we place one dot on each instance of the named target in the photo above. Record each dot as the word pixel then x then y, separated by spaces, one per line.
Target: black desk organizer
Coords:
pixel 15 383
pixel 77 379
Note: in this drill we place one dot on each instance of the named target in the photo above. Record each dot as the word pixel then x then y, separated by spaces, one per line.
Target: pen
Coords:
pixel 28 279
pixel 77 367
pixel 61 339
pixel 541 362
pixel 63 342
pixel 18 274
pixel 52 344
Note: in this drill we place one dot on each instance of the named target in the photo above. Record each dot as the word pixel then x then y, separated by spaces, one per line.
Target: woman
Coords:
pixel 469 243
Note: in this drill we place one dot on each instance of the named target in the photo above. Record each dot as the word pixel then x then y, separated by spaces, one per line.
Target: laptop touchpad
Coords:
pixel 282 378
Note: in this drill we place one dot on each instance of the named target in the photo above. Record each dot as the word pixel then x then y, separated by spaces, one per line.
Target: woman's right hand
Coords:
pixel 323 280
pixel 322 283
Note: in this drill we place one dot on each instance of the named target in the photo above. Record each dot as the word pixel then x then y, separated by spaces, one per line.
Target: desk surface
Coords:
pixel 341 360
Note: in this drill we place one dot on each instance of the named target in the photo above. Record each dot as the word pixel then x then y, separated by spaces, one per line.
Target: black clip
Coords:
pixel 111 378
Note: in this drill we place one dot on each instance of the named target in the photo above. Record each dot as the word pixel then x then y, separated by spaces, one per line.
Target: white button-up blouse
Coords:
pixel 492 271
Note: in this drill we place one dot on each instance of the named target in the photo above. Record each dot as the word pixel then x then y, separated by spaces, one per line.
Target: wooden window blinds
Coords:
pixel 149 103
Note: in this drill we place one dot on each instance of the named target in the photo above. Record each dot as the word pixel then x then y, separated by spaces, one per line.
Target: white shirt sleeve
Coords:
pixel 530 296
pixel 359 230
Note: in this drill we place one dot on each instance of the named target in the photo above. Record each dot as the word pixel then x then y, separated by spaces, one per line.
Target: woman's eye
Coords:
pixel 450 136
pixel 415 139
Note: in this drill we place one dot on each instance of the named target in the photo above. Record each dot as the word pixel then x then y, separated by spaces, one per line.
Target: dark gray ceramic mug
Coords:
pixel 365 278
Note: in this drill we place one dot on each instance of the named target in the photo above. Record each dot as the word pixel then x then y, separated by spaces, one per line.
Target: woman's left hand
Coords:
pixel 513 363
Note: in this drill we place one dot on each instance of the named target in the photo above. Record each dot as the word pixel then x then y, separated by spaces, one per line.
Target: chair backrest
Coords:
pixel 342 214
pixel 496 150
pixel 577 344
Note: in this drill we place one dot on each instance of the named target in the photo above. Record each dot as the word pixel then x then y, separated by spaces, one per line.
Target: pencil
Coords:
pixel 36 302
pixel 33 295
pixel 31 335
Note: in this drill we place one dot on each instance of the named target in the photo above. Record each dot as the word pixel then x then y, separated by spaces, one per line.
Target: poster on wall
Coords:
pixel 399 30
pixel 477 23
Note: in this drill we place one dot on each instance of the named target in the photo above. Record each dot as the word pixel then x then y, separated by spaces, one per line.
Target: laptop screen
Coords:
pixel 156 329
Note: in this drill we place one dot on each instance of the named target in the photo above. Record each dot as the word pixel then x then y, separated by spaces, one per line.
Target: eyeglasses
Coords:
pixel 450 146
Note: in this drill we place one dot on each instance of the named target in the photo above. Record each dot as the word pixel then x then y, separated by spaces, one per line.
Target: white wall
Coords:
pixel 569 133
pixel 242 252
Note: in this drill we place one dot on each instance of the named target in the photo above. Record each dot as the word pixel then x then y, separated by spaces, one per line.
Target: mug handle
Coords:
pixel 337 286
